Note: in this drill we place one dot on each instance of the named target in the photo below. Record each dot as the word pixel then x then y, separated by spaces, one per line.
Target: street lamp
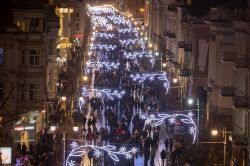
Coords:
pixel 214 132
pixel 63 98
pixel 150 45
pixel 75 128
pixel 175 80
pixel 85 78
pixel 224 132
pixel 52 128
pixel 164 65
pixel 190 101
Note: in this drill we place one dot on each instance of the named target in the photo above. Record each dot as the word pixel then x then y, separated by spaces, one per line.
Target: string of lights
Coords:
pixel 80 150
pixel 102 93
pixel 152 76
pixel 97 65
pixel 172 118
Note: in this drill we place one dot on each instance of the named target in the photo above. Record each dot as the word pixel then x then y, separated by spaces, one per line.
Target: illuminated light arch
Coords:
pixel 185 118
pixel 133 41
pixel 81 102
pixel 79 151
pixel 103 46
pixel 136 55
pixel 102 93
pixel 97 65
pixel 152 76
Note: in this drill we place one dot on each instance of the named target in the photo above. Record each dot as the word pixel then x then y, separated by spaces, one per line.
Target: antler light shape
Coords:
pixel 185 118
pixel 79 151
pixel 152 76
pixel 106 47
pixel 98 65
pixel 103 35
pixel 102 93
pixel 81 102
pixel 136 55
pixel 133 41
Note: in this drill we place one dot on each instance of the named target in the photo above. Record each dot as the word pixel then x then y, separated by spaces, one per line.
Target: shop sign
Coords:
pixel 6 155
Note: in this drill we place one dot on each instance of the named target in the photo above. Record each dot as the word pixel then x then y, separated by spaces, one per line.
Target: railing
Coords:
pixel 227 91
pixel 228 57
pixel 241 62
pixel 188 47
pixel 240 101
pixel 181 44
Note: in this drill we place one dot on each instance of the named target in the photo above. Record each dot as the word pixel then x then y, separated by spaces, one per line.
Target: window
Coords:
pixel 22 93
pixel 22 57
pixel 34 57
pixel 34 91
pixel 51 46
pixel 1 56
pixel 34 60
pixel 34 25
pixel 76 27
pixel 77 14
pixel 21 25
pixel 1 90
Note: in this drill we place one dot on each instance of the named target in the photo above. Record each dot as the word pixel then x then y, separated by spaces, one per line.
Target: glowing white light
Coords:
pixel 133 41
pixel 81 102
pixel 136 55
pixel 102 93
pixel 101 47
pixel 75 128
pixel 97 65
pixel 103 35
pixel 152 76
pixel 79 151
pixel 52 128
pixel 186 119
pixel 190 101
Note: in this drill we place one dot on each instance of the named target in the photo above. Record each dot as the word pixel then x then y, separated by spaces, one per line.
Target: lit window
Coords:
pixel 21 25
pixel 1 56
pixel 34 91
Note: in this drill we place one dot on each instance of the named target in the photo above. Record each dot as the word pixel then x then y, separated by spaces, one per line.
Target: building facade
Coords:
pixel 27 51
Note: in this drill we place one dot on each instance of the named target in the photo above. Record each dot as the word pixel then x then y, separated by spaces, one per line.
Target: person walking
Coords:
pixel 163 156
pixel 166 144
pixel 171 143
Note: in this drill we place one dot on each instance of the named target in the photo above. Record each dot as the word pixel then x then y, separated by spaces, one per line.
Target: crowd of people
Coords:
pixel 123 124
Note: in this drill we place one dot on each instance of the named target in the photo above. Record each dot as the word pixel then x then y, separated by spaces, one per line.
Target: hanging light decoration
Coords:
pixel 97 65
pixel 102 46
pixel 102 93
pixel 113 153
pixel 136 55
pixel 152 76
pixel 172 118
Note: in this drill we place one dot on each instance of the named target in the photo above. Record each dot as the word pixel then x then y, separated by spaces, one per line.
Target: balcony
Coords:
pixel 227 57
pixel 181 44
pixel 240 102
pixel 172 7
pixel 227 91
pixel 32 36
pixel 169 34
pixel 187 47
pixel 185 73
pixel 240 63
